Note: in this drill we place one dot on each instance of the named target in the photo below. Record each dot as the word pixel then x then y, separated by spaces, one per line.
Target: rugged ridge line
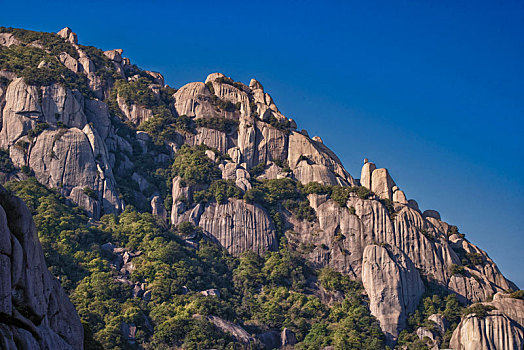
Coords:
pixel 96 142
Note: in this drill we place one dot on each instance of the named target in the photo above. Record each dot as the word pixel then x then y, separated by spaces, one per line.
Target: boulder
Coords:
pixel 68 35
pixel 440 321
pixel 235 330
pixel 158 209
pixel 211 292
pixel 365 174
pixel 431 214
pixel 270 339
pixel 382 183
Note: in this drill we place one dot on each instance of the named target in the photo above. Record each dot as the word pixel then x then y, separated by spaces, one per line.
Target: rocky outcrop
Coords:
pixel 35 312
pixel 381 183
pixel 71 157
pixel 341 234
pixel 235 330
pixel 68 35
pixel 133 112
pixel 500 328
pixel 393 285
pixel 495 331
pixel 236 225
pixel 313 161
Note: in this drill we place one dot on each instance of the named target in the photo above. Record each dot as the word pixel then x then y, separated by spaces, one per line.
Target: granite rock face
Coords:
pixel 501 328
pixel 35 312
pixel 393 285
pixel 70 154
pixel 88 147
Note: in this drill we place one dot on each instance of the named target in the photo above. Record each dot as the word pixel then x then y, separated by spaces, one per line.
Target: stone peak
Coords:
pixel 68 35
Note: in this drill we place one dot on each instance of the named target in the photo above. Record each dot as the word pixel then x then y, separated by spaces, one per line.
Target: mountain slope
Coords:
pixel 220 163
pixel 34 310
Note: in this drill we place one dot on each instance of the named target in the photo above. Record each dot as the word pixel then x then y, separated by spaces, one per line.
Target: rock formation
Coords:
pixel 35 312
pixel 86 144
pixel 393 285
pixel 500 328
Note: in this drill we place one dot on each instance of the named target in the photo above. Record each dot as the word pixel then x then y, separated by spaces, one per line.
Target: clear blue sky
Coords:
pixel 432 90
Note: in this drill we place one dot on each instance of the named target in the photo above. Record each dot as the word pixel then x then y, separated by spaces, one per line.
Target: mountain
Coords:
pixel 201 217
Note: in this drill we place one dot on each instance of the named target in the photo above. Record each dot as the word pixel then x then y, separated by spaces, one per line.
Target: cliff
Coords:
pixel 220 155
pixel 35 312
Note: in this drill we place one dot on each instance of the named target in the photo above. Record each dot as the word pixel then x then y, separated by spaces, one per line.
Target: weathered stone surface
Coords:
pixel 365 174
pixel 20 113
pixel 158 209
pixel 382 183
pixel 288 337
pixel 399 196
pixel 235 225
pixel 312 161
pixel 69 158
pixel 194 100
pixel 209 137
pixel 68 35
pixel 393 285
pixel 7 39
pixel 440 321
pixel 134 113
pixel 235 330
pixel 495 331
pixel 37 312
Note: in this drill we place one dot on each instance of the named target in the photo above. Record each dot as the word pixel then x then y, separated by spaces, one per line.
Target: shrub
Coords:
pixel 257 169
pixel 136 92
pixel 480 310
pixel 6 164
pixel 475 258
pixel 456 269
pixel 220 191
pixel 217 123
pixel 37 130
pixel 519 294
pixel 88 191
pixel 194 167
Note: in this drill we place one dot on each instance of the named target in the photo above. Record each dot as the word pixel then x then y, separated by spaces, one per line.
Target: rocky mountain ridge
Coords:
pixel 105 137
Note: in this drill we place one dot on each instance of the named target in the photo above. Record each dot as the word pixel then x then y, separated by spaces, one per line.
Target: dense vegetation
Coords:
pixel 260 293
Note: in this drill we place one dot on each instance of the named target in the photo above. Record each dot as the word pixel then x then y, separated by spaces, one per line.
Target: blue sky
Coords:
pixel 432 90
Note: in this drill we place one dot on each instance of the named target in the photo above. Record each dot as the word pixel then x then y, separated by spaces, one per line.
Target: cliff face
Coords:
pixel 35 312
pixel 88 146
pixel 501 328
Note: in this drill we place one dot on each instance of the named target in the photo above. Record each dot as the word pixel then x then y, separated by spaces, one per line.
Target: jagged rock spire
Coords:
pixel 68 35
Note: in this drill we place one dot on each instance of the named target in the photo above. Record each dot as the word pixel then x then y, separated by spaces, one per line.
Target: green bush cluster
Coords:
pixel 280 124
pixel 50 41
pixel 519 294
pixel 6 164
pixel 457 269
pixel 435 300
pixel 37 130
pixel 219 190
pixel 24 60
pixel 137 92
pixel 164 127
pixel 194 167
pixel 217 123
pixel 229 81
pixel 480 310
